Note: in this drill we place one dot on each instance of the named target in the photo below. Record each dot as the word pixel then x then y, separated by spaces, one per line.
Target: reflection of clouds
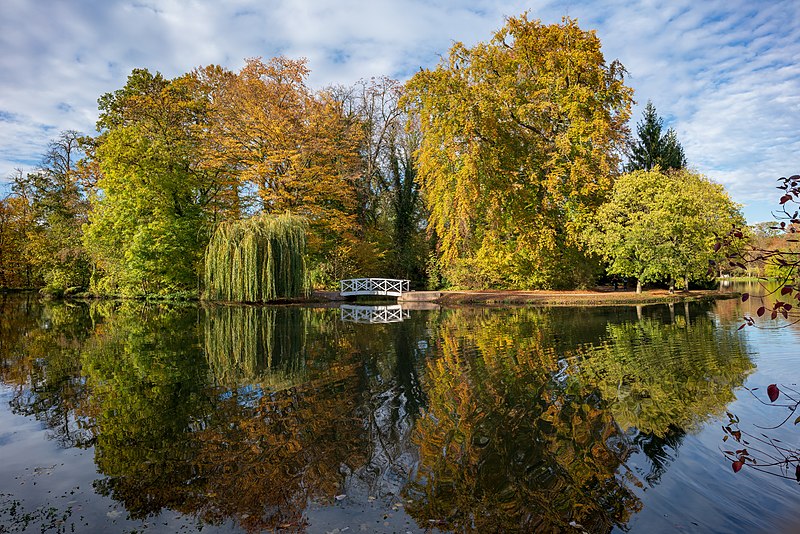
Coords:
pixel 393 458
pixel 722 73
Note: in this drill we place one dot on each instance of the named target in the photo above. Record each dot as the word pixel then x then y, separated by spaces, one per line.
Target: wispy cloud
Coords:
pixel 723 73
pixel 726 77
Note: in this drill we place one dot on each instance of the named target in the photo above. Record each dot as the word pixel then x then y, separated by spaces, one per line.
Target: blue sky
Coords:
pixel 724 73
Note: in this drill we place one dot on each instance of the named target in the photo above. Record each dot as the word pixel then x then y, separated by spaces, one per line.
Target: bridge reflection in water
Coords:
pixel 373 314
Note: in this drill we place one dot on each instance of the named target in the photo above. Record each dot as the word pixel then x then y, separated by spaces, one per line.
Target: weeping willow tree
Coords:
pixel 257 259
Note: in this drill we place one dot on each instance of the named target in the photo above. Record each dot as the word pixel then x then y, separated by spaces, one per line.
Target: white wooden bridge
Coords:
pixel 373 286
pixel 373 314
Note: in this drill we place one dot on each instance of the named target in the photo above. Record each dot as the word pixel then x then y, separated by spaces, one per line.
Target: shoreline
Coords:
pixel 581 298
pixel 596 297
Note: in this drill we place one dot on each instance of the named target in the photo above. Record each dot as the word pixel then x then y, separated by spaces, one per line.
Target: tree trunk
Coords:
pixel 638 286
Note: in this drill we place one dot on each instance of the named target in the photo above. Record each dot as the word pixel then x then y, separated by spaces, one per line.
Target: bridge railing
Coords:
pixel 373 314
pixel 373 286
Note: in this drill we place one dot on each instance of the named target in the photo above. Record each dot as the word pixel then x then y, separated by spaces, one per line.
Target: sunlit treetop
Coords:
pixel 520 135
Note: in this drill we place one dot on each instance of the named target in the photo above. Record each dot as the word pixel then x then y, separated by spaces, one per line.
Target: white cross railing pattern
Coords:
pixel 373 314
pixel 373 286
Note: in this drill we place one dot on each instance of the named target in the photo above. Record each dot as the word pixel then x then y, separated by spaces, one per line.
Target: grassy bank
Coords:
pixel 598 297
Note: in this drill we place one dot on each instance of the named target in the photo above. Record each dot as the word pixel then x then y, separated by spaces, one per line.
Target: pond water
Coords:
pixel 133 417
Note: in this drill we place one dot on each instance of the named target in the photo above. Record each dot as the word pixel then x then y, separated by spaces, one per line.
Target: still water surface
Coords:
pixel 123 417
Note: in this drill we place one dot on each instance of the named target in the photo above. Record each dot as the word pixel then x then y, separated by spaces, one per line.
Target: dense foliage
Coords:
pixel 520 139
pixel 257 260
pixel 663 226
pixel 41 223
pixel 481 172
pixel 285 147
pixel 14 221
pixel 153 204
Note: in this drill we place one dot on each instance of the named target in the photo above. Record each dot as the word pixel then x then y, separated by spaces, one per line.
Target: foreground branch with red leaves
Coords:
pixel 760 451
pixel 783 261
pixel 781 300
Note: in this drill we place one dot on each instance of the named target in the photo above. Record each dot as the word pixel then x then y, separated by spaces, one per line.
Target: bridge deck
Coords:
pixel 373 286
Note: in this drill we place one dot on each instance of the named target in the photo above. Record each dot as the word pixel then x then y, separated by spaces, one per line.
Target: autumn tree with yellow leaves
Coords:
pixel 178 156
pixel 290 148
pixel 521 137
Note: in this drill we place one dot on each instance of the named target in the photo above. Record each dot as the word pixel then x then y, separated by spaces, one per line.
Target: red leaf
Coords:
pixel 787 307
pixel 797 473
pixel 774 313
pixel 786 290
pixel 745 296
pixel 737 465
pixel 761 311
pixel 773 392
pixel 785 199
pixel 737 434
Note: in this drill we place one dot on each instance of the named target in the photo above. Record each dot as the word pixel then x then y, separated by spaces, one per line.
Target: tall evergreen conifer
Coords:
pixel 652 148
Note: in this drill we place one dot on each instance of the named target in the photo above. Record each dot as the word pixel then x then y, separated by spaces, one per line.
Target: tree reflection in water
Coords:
pixel 521 437
pixel 485 420
pixel 508 443
pixel 272 435
pixel 663 380
pixel 40 349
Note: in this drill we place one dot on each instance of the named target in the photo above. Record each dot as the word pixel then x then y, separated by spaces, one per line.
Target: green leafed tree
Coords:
pixel 56 205
pixel 520 140
pixel 652 147
pixel 662 226
pixel 154 202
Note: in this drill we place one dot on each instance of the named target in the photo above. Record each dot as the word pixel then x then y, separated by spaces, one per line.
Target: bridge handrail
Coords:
pixel 373 314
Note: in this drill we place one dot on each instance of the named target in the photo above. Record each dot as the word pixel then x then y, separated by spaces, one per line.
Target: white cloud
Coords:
pixel 723 73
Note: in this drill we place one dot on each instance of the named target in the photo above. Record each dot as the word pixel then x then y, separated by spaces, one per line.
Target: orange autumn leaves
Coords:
pixel 289 148
pixel 176 157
